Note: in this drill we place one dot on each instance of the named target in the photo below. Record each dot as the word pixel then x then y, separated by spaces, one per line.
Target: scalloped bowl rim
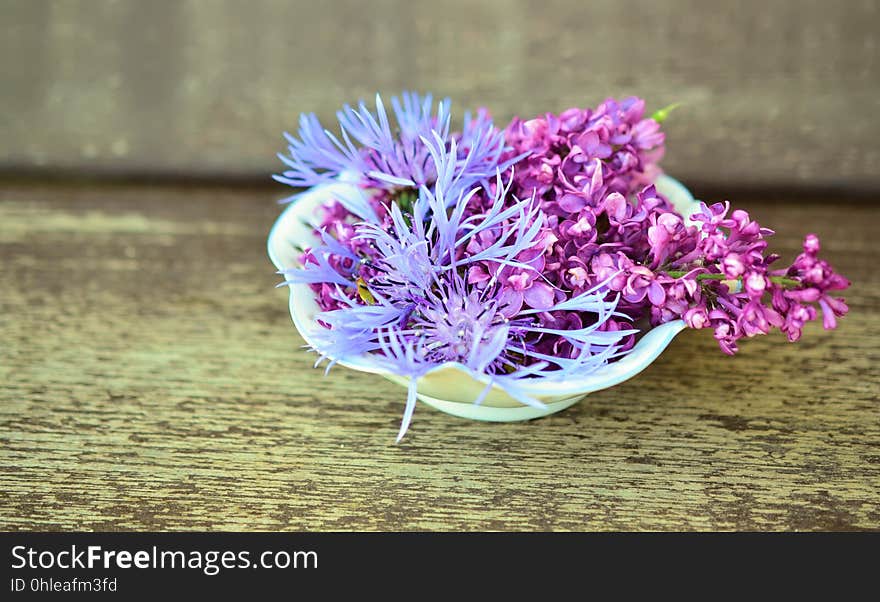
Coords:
pixel 291 226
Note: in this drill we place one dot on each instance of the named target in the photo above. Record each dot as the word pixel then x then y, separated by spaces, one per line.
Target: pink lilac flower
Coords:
pixel 738 294
pixel 590 172
pixel 817 280
pixel 577 158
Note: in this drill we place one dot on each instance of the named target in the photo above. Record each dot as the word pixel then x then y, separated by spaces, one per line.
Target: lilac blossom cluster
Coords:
pixel 591 172
pixel 537 251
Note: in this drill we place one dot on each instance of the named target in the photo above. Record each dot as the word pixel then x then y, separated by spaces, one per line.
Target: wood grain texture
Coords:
pixel 780 93
pixel 150 378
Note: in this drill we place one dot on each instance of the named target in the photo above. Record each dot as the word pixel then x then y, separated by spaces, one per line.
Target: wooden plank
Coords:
pixel 150 378
pixel 781 93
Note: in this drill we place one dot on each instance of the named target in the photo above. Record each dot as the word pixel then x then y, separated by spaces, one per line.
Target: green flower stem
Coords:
pixel 775 279
pixel 661 115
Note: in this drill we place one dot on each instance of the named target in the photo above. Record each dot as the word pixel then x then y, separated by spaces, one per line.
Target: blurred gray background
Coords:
pixel 775 94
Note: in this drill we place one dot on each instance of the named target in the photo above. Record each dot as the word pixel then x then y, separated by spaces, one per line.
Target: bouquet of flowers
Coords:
pixel 539 251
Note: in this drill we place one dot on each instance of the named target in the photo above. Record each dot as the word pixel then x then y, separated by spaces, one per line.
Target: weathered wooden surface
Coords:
pixel 781 93
pixel 150 378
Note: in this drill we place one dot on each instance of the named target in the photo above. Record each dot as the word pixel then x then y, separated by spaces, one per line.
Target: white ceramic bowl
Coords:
pixel 452 387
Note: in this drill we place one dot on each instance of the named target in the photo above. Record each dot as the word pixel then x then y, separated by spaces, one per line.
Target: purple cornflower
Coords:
pixel 391 155
pixel 421 309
